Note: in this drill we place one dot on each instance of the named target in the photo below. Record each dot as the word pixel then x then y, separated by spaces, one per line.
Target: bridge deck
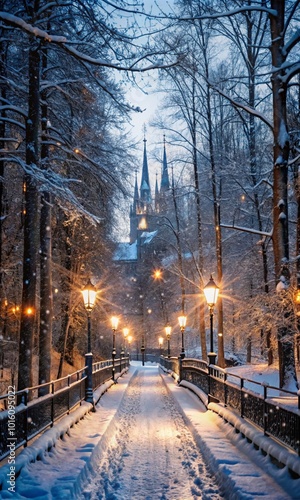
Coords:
pixel 149 439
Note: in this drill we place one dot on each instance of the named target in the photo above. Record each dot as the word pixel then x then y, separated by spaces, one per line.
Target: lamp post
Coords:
pixel 114 325
pixel 182 323
pixel 211 292
pixel 143 350
pixel 168 335
pixel 89 297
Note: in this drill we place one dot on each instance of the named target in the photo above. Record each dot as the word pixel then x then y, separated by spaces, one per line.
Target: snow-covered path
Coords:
pixel 149 439
pixel 152 454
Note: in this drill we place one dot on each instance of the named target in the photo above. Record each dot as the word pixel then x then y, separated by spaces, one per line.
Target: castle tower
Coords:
pixel 165 183
pixel 145 190
pixel 143 209
pixel 133 212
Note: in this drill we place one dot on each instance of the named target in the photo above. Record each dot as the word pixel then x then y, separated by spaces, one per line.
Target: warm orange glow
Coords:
pixel 89 294
pixel 160 341
pixel 29 311
pixel 125 332
pixel 182 322
pixel 129 339
pixel 76 150
pixel 157 274
pixel 143 223
pixel 168 330
pixel 114 322
pixel 211 292
pixel 297 297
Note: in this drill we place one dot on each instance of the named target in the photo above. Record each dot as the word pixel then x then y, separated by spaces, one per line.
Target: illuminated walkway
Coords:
pixel 149 440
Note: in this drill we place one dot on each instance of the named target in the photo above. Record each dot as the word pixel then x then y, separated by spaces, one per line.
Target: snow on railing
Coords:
pixel 275 410
pixel 28 412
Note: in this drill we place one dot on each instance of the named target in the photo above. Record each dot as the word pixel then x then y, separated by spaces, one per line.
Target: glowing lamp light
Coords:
pixel 89 296
pixel 125 332
pixel 211 292
pixel 114 322
pixel 168 330
pixel 157 274
pixel 182 322
pixel 297 297
pixel 143 223
pixel 160 341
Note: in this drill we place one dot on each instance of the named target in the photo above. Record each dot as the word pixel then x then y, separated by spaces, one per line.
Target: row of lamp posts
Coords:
pixel 211 292
pixel 89 293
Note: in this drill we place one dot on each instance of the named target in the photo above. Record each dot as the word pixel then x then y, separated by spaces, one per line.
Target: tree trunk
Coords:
pixel 179 249
pixel 28 313
pixel 218 235
pixel 66 294
pixel 46 296
pixel 3 88
pixel 281 147
pixel 199 232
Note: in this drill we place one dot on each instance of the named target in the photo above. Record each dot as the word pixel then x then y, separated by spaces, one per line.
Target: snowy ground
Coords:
pixel 152 454
pixel 150 439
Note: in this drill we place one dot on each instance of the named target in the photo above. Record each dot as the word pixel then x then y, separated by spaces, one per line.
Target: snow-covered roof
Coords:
pixel 126 252
pixel 148 236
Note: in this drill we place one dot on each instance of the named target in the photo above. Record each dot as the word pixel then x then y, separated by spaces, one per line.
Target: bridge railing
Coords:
pixel 170 364
pixel 274 410
pixel 27 414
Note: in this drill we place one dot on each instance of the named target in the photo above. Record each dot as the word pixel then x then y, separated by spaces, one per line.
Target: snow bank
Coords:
pixel 46 441
pixel 265 444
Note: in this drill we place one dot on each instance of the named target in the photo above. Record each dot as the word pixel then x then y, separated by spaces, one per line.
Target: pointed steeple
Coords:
pixel 145 183
pixel 156 195
pixel 136 197
pixel 165 183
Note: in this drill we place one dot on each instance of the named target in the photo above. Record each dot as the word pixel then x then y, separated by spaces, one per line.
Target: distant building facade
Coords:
pixel 142 304
pixel 147 213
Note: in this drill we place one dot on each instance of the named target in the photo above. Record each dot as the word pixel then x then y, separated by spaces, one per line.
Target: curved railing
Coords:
pixel 274 410
pixel 28 414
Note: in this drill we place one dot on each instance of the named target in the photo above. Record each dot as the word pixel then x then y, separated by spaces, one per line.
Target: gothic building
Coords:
pixel 139 298
pixel 147 213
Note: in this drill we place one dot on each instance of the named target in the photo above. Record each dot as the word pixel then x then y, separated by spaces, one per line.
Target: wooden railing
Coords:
pixel 27 414
pixel 274 410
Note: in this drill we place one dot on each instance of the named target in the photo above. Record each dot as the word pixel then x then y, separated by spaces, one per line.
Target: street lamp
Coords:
pixel 114 325
pixel 168 335
pixel 211 292
pixel 89 298
pixel 160 342
pixel 182 323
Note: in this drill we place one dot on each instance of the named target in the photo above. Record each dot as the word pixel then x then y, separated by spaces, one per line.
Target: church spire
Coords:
pixel 136 197
pixel 156 195
pixel 145 183
pixel 165 183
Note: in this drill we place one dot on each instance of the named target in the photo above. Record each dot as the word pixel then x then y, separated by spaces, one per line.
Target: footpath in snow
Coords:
pixel 148 440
